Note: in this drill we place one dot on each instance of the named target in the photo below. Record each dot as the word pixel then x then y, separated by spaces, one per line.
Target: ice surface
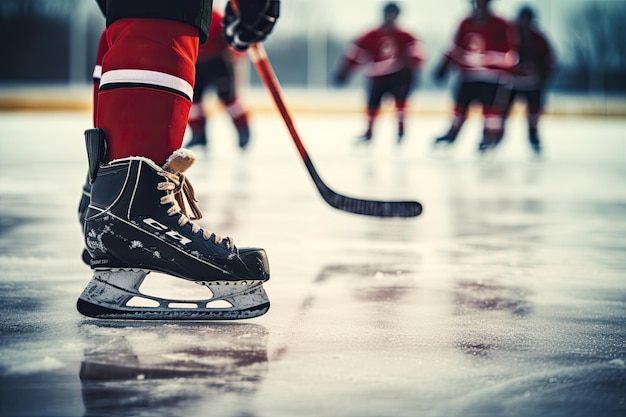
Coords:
pixel 505 297
pixel 46 364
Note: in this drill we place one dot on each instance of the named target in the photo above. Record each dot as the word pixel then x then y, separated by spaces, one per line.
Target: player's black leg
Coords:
pixel 534 105
pixel 374 100
pixel 463 99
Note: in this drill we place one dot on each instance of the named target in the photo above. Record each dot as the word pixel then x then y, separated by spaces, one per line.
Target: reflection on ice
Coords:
pixel 174 365
pixel 486 296
pixel 372 283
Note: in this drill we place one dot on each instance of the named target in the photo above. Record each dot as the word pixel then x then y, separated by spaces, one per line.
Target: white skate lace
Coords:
pixel 182 195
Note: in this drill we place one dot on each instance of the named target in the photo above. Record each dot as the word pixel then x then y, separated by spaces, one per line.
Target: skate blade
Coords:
pixel 116 295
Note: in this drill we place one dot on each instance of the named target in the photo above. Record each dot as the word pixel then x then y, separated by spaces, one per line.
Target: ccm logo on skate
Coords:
pixel 171 233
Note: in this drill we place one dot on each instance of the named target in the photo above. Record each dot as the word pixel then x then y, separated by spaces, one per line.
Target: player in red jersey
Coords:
pixel 484 52
pixel 142 207
pixel 216 68
pixel 391 57
pixel 531 75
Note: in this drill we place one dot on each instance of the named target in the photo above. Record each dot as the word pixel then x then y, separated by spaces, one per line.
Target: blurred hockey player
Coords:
pixel 141 211
pixel 391 58
pixel 215 68
pixel 531 75
pixel 484 52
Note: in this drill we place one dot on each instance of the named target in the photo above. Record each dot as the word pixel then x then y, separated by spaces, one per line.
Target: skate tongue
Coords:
pixel 176 164
pixel 180 161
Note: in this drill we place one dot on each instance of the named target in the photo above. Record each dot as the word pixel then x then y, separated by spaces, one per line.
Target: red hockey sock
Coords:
pixel 237 112
pixel 146 87
pixel 493 126
pixel 103 47
pixel 240 122
pixel 197 118
pixel 372 114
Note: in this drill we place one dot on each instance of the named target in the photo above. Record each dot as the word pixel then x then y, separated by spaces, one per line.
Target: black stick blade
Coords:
pixel 374 208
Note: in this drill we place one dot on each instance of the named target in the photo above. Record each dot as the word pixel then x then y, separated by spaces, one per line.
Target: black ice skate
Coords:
pixel 365 138
pixel 198 138
pixel 137 223
pixel 243 135
pixel 488 143
pixel 400 132
pixel 444 140
pixel 535 144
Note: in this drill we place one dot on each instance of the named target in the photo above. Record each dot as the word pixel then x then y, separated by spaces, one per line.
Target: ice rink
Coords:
pixel 506 297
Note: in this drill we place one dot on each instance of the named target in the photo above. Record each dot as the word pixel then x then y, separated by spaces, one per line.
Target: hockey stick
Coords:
pixel 375 208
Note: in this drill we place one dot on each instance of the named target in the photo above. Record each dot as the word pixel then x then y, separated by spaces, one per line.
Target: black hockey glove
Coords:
pixel 255 20
pixel 341 77
pixel 441 72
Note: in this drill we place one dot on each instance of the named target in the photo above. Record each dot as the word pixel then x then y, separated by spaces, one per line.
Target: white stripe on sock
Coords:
pixel 156 78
